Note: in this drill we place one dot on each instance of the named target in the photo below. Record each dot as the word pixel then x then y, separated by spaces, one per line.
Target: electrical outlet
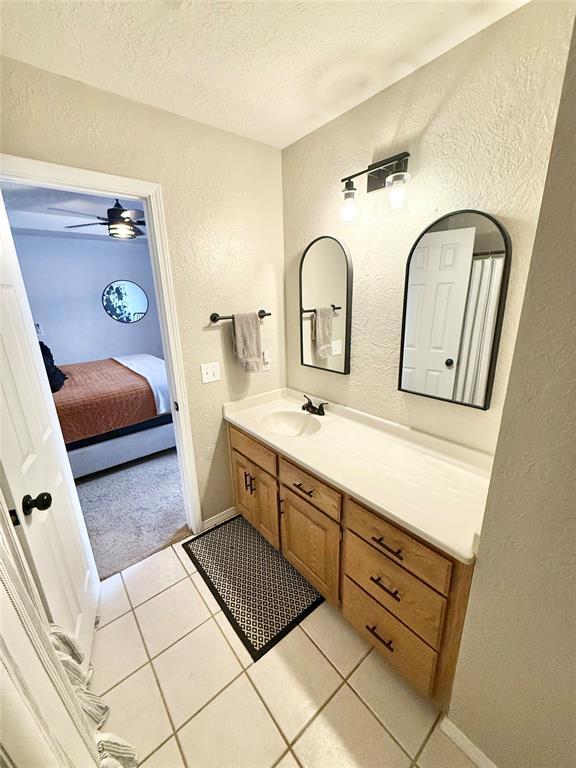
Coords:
pixel 337 347
pixel 265 359
pixel 210 372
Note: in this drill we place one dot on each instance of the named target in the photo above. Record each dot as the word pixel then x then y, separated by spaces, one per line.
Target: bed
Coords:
pixel 113 411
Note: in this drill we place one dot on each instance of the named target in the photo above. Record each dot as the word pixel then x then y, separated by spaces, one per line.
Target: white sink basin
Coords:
pixel 291 423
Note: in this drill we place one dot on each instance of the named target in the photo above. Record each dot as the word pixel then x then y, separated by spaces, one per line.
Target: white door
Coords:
pixel 34 461
pixel 437 290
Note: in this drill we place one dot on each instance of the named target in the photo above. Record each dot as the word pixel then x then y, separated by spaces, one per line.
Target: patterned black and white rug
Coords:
pixel 262 595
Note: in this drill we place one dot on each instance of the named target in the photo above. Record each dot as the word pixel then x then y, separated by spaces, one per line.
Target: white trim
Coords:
pixel 464 744
pixel 37 173
pixel 221 517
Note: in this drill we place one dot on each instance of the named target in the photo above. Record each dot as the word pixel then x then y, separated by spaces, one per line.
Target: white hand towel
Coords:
pixel 248 341
pixel 322 331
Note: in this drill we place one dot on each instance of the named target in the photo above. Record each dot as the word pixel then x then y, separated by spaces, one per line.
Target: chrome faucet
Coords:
pixel 317 410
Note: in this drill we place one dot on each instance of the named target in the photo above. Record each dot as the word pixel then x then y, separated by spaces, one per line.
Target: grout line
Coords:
pixel 282 756
pixel 161 692
pixel 315 715
pixel 418 754
pixel 379 721
pixel 355 667
pixel 156 655
pixel 165 589
pixel 315 644
pixel 155 750
pixel 210 700
pixel 328 700
pixel 251 682
pixel 133 607
pixel 296 759
pixel 267 708
pixel 101 626
pixel 107 691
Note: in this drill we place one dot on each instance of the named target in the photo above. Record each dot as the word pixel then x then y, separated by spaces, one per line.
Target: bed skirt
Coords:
pixel 112 451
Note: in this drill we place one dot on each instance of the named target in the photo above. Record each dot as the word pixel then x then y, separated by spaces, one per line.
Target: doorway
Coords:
pixel 151 461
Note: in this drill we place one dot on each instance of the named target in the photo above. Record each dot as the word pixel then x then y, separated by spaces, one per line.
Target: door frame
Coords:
pixel 21 170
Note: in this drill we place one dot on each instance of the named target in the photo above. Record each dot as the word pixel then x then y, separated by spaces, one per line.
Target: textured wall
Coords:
pixel 478 122
pixel 223 202
pixel 65 276
pixel 516 677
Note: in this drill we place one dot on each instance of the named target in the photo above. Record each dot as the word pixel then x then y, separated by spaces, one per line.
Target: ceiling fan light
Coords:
pixel 121 230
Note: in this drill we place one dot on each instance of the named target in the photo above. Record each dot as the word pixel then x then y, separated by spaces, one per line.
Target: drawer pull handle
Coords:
pixel 299 486
pixel 385 643
pixel 378 581
pixel 246 484
pixel 396 552
pixel 252 486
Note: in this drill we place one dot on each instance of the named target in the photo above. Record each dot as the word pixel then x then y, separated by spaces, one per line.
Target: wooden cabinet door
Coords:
pixel 311 542
pixel 244 496
pixel 266 505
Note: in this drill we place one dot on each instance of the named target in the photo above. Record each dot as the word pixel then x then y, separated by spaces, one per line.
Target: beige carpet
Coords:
pixel 133 511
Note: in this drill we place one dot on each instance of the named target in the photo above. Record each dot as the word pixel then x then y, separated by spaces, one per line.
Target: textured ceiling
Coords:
pixel 32 208
pixel 270 71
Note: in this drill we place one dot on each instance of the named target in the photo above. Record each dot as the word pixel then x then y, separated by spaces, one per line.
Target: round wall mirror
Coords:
pixel 125 301
pixel 456 280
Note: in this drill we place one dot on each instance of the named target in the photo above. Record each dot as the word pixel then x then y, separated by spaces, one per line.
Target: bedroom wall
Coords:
pixel 478 122
pixel 223 202
pixel 65 277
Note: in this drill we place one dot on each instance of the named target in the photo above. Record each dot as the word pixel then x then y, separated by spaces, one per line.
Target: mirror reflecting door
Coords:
pixel 456 280
pixel 326 305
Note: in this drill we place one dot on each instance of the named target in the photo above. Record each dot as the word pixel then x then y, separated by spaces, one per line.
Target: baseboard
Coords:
pixel 465 745
pixel 221 517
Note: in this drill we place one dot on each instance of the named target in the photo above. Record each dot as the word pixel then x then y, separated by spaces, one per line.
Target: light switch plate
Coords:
pixel 337 347
pixel 210 372
pixel 265 359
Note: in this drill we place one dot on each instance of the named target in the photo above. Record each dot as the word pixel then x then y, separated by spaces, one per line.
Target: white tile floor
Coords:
pixel 184 690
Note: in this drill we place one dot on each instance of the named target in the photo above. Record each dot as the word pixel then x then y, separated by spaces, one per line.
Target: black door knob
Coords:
pixel 42 501
pixel 449 362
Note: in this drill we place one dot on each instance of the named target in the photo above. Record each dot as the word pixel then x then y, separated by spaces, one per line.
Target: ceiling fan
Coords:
pixel 121 222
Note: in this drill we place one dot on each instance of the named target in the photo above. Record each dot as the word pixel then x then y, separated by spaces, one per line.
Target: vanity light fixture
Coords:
pixel 391 174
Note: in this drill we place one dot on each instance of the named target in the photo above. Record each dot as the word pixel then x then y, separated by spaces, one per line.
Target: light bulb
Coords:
pixel 348 210
pixel 396 187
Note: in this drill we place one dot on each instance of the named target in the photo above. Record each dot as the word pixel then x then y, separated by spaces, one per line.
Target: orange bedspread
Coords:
pixel 101 396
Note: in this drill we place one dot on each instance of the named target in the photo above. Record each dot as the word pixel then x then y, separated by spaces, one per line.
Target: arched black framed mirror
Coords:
pixel 326 305
pixel 454 296
pixel 125 301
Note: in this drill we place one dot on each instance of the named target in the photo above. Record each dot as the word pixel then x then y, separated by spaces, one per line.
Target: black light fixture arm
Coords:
pixel 393 164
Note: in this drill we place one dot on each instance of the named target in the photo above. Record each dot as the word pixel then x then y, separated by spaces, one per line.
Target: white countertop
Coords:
pixel 432 487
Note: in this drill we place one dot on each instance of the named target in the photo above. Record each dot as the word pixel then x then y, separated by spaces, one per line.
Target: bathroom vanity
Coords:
pixel 382 520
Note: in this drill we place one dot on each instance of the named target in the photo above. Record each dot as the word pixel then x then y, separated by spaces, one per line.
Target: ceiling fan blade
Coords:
pixel 142 223
pixel 75 226
pixel 132 214
pixel 138 232
pixel 73 213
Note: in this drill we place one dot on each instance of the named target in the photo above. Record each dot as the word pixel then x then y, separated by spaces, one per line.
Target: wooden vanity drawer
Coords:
pixel 399 546
pixel 408 598
pixel 253 450
pixel 401 647
pixel 310 488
